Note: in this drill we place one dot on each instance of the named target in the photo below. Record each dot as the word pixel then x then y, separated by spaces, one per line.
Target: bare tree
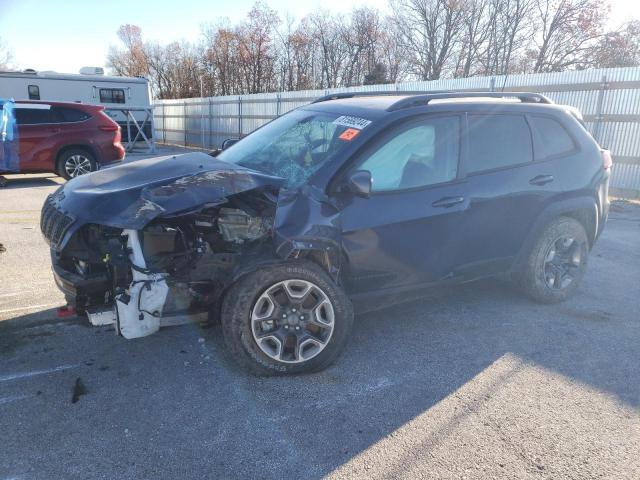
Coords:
pixel 422 39
pixel 567 30
pixel 132 60
pixel 391 52
pixel 256 42
pixel 430 31
pixel 620 48
pixel 221 52
pixel 6 57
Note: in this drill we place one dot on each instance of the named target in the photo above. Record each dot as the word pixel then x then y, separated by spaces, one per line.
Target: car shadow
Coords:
pixel 30 181
pixel 179 388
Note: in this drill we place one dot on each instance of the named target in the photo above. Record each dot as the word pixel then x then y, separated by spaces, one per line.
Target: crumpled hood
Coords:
pixel 133 194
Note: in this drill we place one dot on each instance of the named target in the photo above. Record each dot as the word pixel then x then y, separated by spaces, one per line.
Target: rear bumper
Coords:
pixel 111 154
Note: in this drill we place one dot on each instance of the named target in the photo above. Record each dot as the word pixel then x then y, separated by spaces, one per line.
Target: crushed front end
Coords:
pixel 136 251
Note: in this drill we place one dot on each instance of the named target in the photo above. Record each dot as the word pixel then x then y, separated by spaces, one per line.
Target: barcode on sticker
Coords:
pixel 352 122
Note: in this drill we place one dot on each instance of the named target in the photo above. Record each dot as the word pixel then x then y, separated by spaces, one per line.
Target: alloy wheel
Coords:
pixel 562 262
pixel 77 165
pixel 292 321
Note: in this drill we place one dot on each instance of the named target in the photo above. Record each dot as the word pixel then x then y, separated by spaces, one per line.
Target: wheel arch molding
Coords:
pixel 584 209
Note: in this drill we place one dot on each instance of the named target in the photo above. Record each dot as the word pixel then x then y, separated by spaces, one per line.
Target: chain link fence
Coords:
pixel 608 98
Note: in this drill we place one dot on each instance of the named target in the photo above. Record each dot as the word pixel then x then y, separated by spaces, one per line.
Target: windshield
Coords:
pixel 295 145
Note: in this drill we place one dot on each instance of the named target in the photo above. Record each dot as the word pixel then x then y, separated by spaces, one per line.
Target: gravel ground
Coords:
pixel 474 382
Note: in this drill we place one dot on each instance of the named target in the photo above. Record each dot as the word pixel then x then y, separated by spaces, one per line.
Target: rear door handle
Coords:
pixel 447 202
pixel 541 180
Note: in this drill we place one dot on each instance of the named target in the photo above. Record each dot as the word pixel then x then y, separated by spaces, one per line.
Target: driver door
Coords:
pixel 410 230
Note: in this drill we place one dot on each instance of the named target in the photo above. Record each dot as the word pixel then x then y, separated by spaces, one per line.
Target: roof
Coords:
pixel 393 101
pixel 73 76
pixel 59 104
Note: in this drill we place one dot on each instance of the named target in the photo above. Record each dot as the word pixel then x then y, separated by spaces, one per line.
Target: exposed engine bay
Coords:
pixel 175 265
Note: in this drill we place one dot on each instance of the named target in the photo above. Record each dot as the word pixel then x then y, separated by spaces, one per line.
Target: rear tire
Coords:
pixel 75 162
pixel 557 262
pixel 276 320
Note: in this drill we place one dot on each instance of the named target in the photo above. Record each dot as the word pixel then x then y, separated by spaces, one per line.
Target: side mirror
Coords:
pixel 228 142
pixel 359 183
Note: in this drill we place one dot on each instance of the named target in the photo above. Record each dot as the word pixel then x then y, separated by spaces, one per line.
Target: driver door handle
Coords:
pixel 447 202
pixel 541 180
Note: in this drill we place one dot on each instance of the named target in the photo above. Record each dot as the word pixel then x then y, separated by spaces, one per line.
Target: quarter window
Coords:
pixel 553 138
pixel 66 114
pixel 497 141
pixel 422 154
pixel 111 95
pixel 34 92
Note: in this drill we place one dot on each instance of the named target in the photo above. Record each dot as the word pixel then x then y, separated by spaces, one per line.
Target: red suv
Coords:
pixel 69 139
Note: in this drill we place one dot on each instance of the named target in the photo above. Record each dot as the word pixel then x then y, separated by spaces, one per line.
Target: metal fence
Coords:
pixel 608 98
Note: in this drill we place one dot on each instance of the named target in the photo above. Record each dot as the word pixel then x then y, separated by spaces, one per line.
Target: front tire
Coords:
pixel 75 162
pixel 557 263
pixel 286 318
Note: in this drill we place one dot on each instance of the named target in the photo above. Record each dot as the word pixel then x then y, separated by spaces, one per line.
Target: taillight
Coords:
pixel 607 161
pixel 109 128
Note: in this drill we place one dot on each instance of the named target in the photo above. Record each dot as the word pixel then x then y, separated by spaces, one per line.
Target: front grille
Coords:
pixel 53 223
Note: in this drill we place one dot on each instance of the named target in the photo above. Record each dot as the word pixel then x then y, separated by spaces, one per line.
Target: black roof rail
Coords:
pixel 341 95
pixel 426 97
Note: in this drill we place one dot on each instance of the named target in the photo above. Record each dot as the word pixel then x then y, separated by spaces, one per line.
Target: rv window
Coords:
pixel 34 92
pixel 111 95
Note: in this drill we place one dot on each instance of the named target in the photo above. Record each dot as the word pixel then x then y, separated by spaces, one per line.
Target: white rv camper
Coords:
pixel 89 86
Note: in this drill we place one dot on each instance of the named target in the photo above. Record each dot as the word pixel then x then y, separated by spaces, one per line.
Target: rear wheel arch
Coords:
pixel 75 146
pixel 583 209
pixel 62 154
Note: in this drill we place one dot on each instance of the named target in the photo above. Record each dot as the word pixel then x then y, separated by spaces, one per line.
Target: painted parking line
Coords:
pixel 33 373
pixel 15 398
pixel 27 292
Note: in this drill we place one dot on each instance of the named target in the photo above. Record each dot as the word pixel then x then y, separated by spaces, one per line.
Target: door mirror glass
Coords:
pixel 359 183
pixel 228 142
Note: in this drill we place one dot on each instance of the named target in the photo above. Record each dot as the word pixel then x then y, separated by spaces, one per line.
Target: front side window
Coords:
pixel 111 95
pixel 419 155
pixel 295 145
pixel 497 141
pixel 34 92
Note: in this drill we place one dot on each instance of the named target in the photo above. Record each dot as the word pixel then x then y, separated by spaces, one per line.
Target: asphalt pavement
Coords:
pixel 475 382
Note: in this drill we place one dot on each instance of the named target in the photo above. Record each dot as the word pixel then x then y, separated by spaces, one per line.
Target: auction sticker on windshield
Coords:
pixel 349 134
pixel 352 122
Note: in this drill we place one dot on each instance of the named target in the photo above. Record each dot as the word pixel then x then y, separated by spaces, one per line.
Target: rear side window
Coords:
pixel 554 140
pixel 33 116
pixel 65 115
pixel 34 92
pixel 497 141
pixel 111 95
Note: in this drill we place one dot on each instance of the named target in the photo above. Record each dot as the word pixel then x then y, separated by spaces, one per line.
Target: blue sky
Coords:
pixel 64 35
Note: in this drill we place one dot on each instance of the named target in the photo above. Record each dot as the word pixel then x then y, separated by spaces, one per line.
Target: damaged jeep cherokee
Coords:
pixel 352 198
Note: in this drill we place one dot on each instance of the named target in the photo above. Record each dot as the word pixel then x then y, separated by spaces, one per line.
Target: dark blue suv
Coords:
pixel 351 198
